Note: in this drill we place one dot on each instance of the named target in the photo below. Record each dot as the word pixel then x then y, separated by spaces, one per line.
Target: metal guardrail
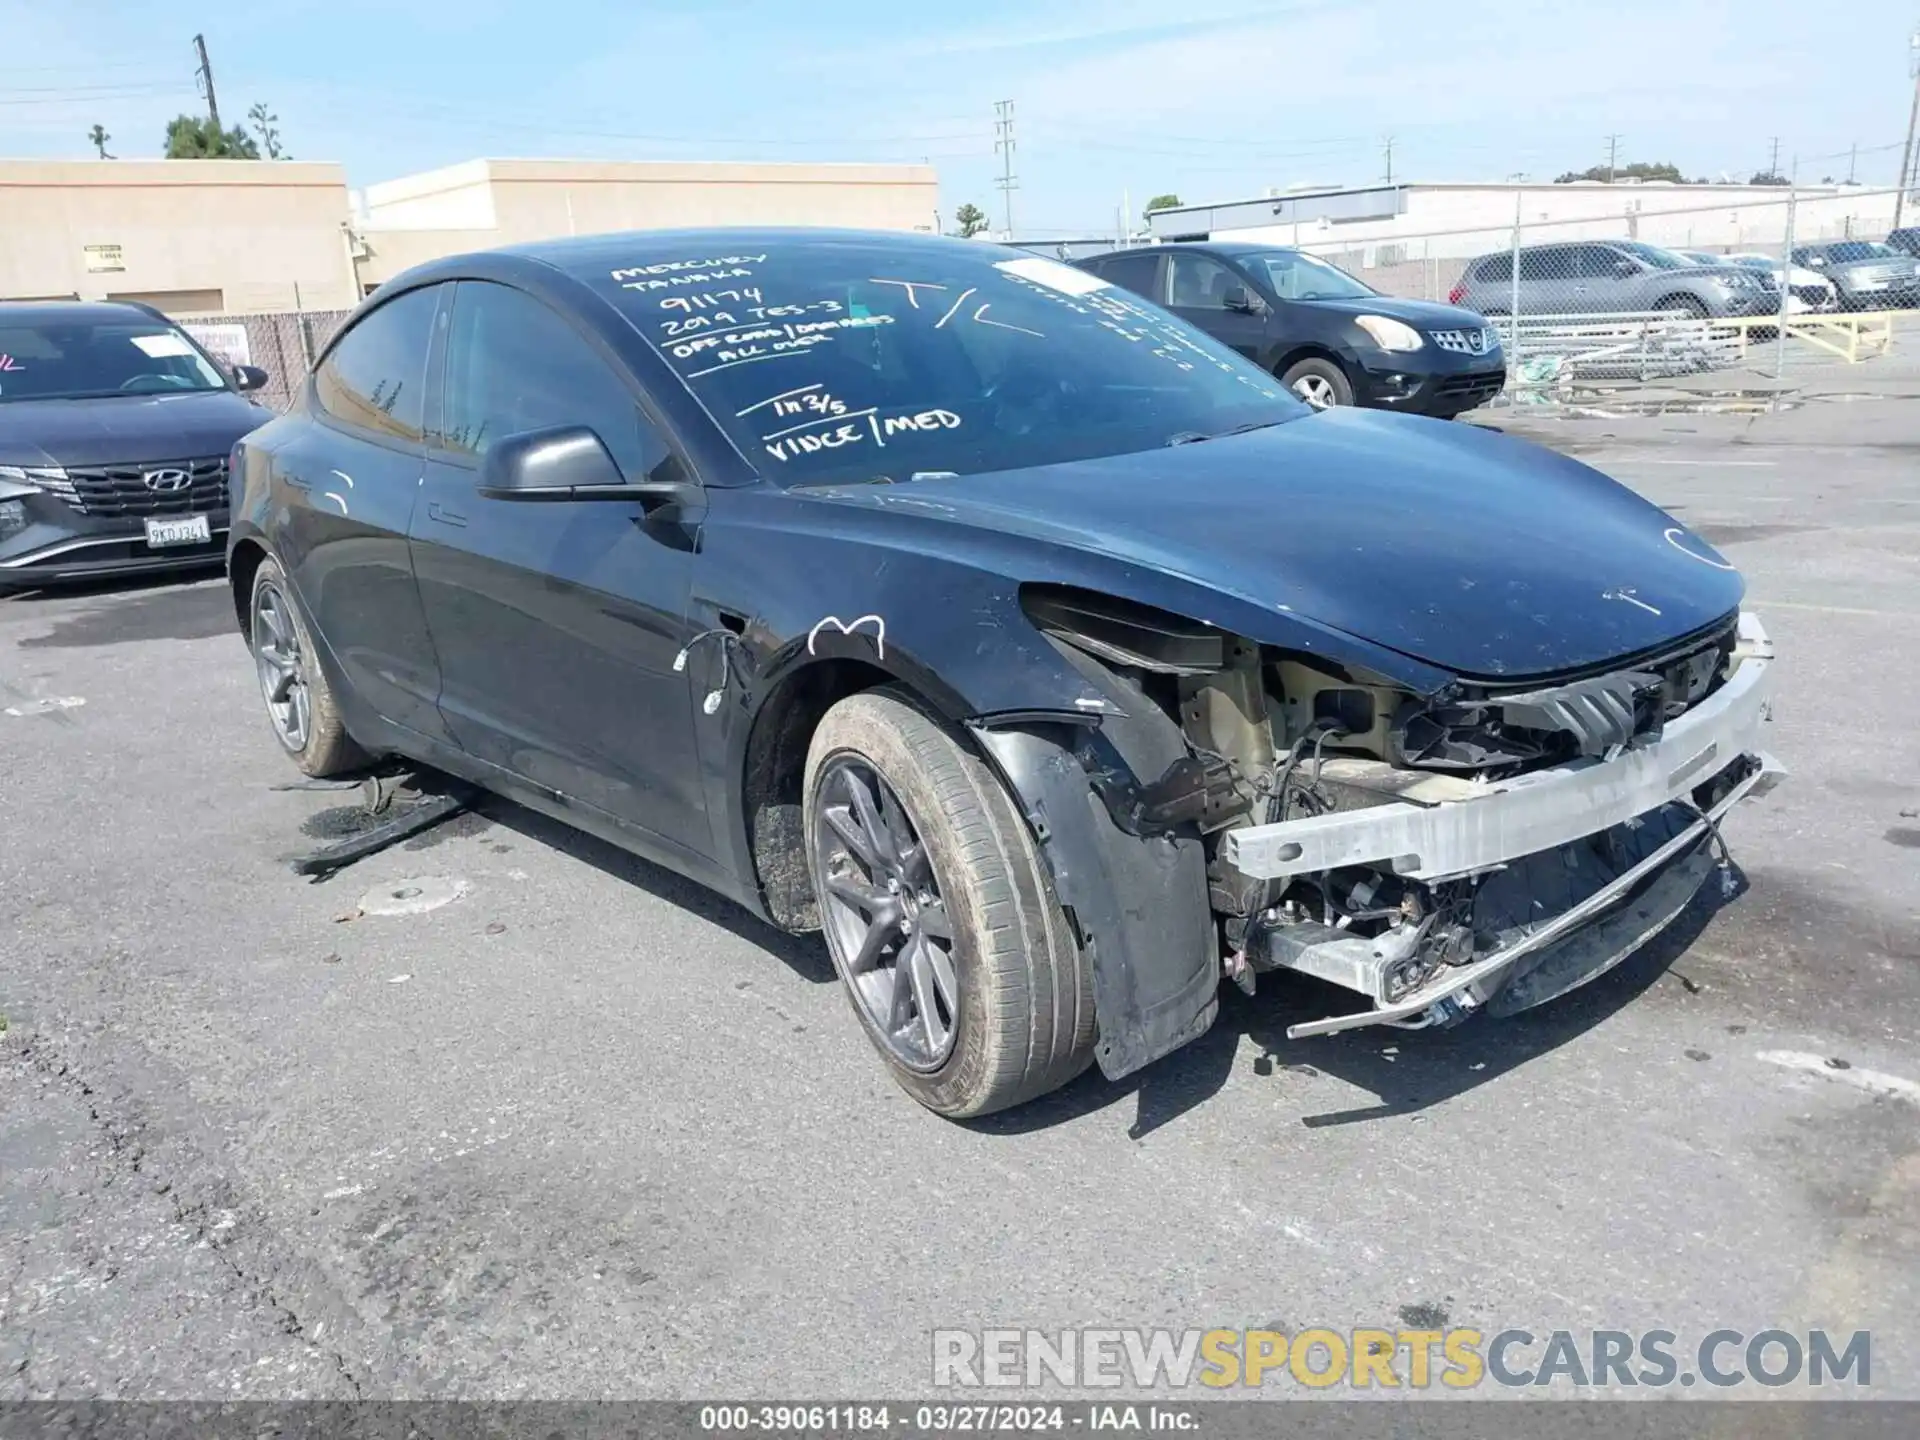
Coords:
pixel 1545 350
pixel 1853 336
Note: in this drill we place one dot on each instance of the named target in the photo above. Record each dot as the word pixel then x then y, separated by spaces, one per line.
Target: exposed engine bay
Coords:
pixel 1488 846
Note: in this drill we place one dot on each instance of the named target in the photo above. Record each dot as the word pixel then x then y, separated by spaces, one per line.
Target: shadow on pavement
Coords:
pixel 1407 1070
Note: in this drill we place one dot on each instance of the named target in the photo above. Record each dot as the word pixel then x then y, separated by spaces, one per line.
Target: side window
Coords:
pixel 1198 283
pixel 375 377
pixel 1139 273
pixel 514 365
pixel 1550 262
pixel 1494 267
pixel 1596 262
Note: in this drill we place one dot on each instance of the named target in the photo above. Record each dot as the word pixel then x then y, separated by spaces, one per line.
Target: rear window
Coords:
pixel 1494 267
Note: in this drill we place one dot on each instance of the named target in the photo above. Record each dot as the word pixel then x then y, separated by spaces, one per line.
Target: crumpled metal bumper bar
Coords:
pixel 1541 810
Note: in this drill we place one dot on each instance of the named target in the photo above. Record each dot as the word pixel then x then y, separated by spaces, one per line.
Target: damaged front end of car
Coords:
pixel 1483 846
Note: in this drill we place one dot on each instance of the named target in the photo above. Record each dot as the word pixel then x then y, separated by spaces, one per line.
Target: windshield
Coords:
pixel 844 361
pixel 1653 255
pixel 1701 257
pixel 1295 276
pixel 1753 262
pixel 84 359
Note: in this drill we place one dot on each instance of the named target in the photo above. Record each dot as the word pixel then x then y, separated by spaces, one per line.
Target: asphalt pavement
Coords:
pixel 583 1130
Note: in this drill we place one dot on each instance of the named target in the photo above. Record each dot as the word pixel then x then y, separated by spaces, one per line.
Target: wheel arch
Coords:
pixel 243 563
pixel 1311 350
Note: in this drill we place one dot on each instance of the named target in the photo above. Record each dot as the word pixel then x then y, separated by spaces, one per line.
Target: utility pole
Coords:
pixel 1773 164
pixel 1853 161
pixel 205 75
pixel 1613 154
pixel 1389 160
pixel 1913 119
pixel 1003 143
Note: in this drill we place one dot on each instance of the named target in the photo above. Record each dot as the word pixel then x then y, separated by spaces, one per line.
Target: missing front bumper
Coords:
pixel 1648 895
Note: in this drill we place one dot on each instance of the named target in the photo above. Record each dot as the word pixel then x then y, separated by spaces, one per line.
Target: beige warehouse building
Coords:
pixel 185 235
pixel 231 236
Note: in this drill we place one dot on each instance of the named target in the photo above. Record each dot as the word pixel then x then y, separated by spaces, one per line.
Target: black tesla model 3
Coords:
pixel 1045 653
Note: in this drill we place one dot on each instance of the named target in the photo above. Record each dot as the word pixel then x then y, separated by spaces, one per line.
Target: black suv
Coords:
pixel 115 428
pixel 1331 339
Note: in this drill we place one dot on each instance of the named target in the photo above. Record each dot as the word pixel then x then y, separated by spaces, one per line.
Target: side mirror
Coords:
pixel 568 462
pixel 249 377
pixel 1819 262
pixel 1624 267
pixel 1237 297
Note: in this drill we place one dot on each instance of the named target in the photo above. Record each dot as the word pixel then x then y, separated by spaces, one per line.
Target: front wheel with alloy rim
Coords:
pixel 1321 383
pixel 301 707
pixel 940 918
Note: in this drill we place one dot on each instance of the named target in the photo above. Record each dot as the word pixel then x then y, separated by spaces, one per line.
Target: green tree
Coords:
pixel 267 127
pixel 192 137
pixel 969 220
pixel 1161 202
pixel 1638 170
pixel 98 137
pixel 1768 177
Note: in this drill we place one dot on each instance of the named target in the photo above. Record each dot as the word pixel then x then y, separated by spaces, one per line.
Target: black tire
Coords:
pixel 1024 991
pixel 1689 305
pixel 321 746
pixel 1321 383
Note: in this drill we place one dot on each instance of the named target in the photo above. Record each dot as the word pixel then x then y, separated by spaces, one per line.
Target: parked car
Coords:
pixel 1867 274
pixel 115 428
pixel 1330 338
pixel 1612 277
pixel 1811 291
pixel 1906 240
pixel 1043 650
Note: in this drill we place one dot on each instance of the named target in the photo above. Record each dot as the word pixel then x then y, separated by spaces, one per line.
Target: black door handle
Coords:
pixel 437 511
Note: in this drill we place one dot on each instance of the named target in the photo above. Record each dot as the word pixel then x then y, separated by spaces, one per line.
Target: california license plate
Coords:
pixel 183 530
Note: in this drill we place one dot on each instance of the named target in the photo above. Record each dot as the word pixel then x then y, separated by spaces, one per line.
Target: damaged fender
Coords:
pixel 1138 902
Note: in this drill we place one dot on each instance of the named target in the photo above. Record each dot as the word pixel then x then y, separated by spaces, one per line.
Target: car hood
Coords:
pixel 125 429
pixel 1421 314
pixel 1469 550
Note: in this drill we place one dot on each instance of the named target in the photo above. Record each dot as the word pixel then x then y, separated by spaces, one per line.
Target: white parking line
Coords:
pixel 1873 1082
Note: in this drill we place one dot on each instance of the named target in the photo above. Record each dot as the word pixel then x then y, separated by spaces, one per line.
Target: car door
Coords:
pixel 1547 282
pixel 1197 290
pixel 348 484
pixel 1611 280
pixel 557 623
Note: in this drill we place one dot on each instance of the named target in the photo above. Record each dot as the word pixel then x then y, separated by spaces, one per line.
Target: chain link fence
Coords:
pixel 1666 286
pixel 283 343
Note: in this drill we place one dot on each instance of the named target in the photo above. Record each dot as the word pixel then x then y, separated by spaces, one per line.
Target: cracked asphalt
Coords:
pixel 584 1131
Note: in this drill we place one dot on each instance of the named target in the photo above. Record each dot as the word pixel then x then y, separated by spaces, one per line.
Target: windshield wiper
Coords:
pixel 1194 437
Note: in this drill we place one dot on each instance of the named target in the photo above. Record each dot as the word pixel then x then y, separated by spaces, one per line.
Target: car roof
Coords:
pixel 594 255
pixel 42 312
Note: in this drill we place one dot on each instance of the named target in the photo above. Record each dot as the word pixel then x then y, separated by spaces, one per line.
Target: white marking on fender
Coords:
pixel 1628 596
pixel 334 496
pixel 1675 535
pixel 344 476
pixel 848 628
pixel 1874 1082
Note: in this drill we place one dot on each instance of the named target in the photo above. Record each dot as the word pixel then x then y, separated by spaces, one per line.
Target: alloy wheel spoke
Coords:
pixel 283 683
pixel 882 928
pixel 944 980
pixel 879 839
pixel 843 824
pixel 900 1011
pixel 869 898
pixel 918 964
pixel 934 920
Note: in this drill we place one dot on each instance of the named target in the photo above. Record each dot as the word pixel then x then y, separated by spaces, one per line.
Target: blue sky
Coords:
pixel 1208 98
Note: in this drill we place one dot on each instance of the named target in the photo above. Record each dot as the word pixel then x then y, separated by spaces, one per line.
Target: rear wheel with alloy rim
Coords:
pixel 1321 383
pixel 940 918
pixel 301 707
